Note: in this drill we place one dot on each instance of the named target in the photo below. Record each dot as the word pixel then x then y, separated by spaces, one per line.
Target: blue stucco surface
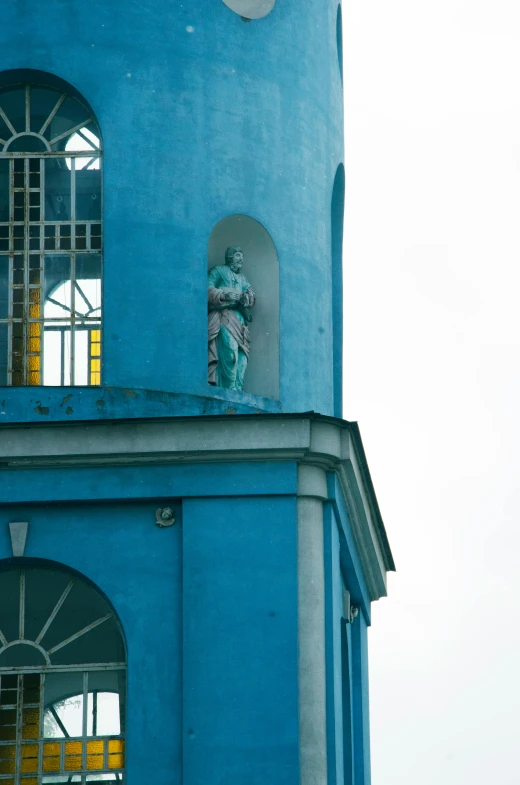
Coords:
pixel 240 648
pixel 147 482
pixel 202 116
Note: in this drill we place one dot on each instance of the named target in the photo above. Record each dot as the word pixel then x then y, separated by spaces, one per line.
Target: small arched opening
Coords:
pixel 336 249
pixel 339 40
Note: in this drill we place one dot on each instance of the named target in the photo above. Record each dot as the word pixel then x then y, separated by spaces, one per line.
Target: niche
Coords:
pixel 336 242
pixel 261 268
pixel 339 41
pixel 250 9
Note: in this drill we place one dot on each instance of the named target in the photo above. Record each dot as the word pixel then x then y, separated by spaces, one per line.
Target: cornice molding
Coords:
pixel 318 444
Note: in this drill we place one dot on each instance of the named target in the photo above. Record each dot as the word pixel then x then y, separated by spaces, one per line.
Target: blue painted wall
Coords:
pixel 202 115
pixel 240 648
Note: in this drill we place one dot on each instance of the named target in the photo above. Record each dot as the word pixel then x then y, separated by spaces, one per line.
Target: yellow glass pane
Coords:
pixel 51 748
pixel 33 380
pixel 73 747
pixel 34 362
pixel 94 762
pixel 8 782
pixel 34 311
pixel 30 732
pixel 34 295
pixel 95 378
pixel 116 745
pixel 73 763
pixel 35 328
pixel 7 766
pixel 95 365
pixel 30 764
pixel 116 761
pixel 9 751
pixel 34 345
pixel 51 764
pixel 95 336
pixel 95 350
pixel 95 747
pixel 29 781
pixel 29 751
pixel 31 715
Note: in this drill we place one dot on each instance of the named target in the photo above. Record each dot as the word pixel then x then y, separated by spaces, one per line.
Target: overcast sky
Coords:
pixel 432 249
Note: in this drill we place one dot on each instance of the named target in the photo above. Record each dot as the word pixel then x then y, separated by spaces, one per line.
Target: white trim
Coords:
pixel 311 643
pixel 318 446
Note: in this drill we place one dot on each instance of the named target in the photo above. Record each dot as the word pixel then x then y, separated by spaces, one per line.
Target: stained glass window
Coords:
pixel 50 239
pixel 62 682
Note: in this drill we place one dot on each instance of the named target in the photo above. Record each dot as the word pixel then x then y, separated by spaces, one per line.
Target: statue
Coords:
pixel 230 297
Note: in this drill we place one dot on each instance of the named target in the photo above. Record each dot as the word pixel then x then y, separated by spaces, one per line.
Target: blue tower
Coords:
pixel 190 542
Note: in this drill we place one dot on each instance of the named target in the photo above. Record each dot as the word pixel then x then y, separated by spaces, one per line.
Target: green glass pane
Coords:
pixel 88 191
pixel 57 190
pixel 4 190
pixel 43 101
pixel 12 102
pixel 70 114
pixel 27 144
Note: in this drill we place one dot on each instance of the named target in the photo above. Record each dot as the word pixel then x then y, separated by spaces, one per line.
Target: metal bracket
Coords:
pixel 164 517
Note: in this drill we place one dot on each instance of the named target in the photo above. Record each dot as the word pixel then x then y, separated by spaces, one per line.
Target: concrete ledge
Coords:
pixel 318 444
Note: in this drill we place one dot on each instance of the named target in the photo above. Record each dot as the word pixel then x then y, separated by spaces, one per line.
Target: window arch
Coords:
pixel 50 237
pixel 62 681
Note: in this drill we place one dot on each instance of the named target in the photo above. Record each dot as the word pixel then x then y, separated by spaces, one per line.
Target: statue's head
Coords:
pixel 234 258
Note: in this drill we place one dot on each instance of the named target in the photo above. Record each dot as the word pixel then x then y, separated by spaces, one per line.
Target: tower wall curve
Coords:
pixel 204 115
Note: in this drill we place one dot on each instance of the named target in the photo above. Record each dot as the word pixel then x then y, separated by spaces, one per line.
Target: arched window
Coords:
pixel 62 681
pixel 50 238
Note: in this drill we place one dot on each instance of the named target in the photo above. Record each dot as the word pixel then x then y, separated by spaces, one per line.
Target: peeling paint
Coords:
pixel 69 410
pixel 100 402
pixel 39 409
pixel 130 393
pixel 231 411
pixel 66 399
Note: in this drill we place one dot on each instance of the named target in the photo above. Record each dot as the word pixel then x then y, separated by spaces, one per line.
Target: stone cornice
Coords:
pixel 319 445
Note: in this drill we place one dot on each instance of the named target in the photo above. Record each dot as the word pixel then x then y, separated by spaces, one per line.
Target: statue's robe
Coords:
pixel 228 334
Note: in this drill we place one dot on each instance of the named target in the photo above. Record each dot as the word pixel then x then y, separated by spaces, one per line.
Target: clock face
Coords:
pixel 251 9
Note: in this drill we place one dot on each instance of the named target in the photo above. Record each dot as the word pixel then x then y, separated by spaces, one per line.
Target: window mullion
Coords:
pixel 41 727
pixel 73 269
pixel 19 726
pixel 26 289
pixel 11 276
pixel 85 721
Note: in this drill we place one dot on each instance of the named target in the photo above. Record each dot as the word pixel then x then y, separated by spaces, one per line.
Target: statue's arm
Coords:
pixel 215 295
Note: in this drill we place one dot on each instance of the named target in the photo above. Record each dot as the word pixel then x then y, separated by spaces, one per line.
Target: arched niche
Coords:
pixel 339 40
pixel 261 267
pixel 336 249
pixel 250 9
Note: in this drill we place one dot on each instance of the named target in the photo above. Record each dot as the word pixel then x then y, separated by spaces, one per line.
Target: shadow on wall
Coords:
pixel 262 270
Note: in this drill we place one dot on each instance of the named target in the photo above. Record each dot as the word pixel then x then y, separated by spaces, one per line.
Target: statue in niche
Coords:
pixel 230 297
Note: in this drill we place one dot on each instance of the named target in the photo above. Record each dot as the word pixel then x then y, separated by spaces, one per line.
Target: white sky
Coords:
pixel 432 373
